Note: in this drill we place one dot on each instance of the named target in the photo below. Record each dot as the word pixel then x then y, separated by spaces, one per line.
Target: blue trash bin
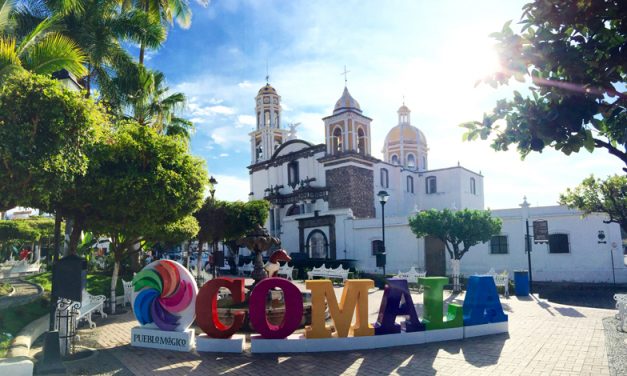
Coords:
pixel 521 282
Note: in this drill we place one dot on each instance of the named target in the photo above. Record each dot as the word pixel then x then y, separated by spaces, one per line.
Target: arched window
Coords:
pixel 395 160
pixel 336 140
pixel 258 120
pixel 317 244
pixel 293 210
pixel 558 243
pixel 276 119
pixel 377 246
pixel 385 180
pixel 266 115
pixel 410 184
pixel 258 151
pixel 292 174
pixel 424 162
pixel 361 141
pixel 473 187
pixel 411 161
pixel 432 185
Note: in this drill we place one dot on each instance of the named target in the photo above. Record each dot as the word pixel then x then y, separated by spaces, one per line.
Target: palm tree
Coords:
pixel 162 12
pixel 142 94
pixel 42 50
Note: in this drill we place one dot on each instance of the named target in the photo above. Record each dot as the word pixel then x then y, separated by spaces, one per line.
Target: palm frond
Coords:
pixel 37 32
pixel 137 26
pixel 55 52
pixel 181 12
pixel 5 13
pixel 9 60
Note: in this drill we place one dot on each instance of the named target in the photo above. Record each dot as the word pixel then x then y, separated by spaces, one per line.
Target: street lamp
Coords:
pixel 212 186
pixel 383 198
pixel 601 237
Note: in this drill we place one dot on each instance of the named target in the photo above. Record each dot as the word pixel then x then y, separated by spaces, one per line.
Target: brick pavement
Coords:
pixel 544 339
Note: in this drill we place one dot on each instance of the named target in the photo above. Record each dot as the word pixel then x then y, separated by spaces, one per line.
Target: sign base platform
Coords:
pixel 235 344
pixel 486 329
pixel 161 339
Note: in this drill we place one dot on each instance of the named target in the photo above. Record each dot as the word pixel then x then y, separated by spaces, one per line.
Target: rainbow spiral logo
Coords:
pixel 164 294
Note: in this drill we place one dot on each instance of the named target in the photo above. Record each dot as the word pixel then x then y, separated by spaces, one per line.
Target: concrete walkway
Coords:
pixel 25 292
pixel 544 339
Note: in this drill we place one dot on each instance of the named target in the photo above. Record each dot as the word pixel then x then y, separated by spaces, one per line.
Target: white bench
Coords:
pixel 128 291
pixel 325 272
pixel 246 268
pixel 286 270
pixel 23 266
pixel 501 279
pixel 411 276
pixel 621 305
pixel 89 305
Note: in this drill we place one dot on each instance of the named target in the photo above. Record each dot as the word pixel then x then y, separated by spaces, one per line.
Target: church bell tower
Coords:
pixel 268 135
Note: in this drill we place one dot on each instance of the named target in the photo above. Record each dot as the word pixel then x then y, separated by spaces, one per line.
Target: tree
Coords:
pixel 41 50
pixel 44 130
pixel 162 12
pixel 574 54
pixel 137 182
pixel 600 196
pixel 458 230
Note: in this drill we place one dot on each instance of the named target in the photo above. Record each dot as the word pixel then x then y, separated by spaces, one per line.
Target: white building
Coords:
pixel 325 204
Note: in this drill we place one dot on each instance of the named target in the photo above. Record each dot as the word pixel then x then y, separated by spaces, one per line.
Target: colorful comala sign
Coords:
pixel 165 297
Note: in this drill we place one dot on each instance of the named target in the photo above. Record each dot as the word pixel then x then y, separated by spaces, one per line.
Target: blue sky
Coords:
pixel 430 52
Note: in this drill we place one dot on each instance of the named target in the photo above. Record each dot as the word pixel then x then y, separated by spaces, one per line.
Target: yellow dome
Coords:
pixel 409 133
pixel 268 89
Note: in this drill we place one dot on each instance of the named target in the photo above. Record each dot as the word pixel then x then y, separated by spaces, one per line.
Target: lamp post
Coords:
pixel 212 190
pixel 212 186
pixel 601 237
pixel 383 198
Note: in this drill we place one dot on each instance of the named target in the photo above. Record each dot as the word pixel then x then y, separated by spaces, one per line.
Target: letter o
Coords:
pixel 293 308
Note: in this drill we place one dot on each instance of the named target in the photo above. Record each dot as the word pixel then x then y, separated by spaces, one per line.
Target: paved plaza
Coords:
pixel 544 339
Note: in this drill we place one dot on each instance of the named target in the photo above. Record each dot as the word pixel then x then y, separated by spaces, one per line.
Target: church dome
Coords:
pixel 408 133
pixel 267 89
pixel 346 102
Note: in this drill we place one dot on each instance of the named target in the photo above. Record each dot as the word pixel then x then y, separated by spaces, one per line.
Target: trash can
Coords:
pixel 521 282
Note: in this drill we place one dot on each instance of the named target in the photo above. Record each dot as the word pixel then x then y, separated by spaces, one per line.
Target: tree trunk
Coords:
pixel 135 252
pixel 57 240
pixel 75 235
pixel 455 263
pixel 199 278
pixel 114 282
pixel 69 225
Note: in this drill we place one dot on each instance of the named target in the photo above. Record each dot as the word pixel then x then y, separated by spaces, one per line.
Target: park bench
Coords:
pixel 89 305
pixel 329 273
pixel 246 268
pixel 621 305
pixel 501 279
pixel 286 270
pixel 24 267
pixel 411 276
pixel 128 292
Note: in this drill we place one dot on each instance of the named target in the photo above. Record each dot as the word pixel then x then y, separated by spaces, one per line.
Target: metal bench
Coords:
pixel 411 276
pixel 286 271
pixel 501 279
pixel 89 305
pixel 325 272
pixel 621 305
pixel 246 268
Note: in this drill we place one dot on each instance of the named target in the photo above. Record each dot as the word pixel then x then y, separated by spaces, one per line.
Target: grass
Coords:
pixel 13 319
pixel 5 289
pixel 97 284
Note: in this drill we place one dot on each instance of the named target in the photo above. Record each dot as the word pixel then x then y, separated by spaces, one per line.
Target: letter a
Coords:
pixel 354 300
pixel 482 304
pixel 397 301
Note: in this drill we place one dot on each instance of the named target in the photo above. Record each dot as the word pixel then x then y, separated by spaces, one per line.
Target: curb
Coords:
pixel 25 338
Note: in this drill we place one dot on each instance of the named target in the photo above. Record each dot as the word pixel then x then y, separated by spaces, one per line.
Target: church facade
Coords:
pixel 325 201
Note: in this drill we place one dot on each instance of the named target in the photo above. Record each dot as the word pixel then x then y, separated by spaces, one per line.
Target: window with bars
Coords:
pixel 558 243
pixel 498 245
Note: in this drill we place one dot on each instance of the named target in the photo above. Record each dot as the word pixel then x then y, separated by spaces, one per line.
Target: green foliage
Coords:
pixel 5 289
pixel 97 283
pixel 17 230
pixel 457 229
pixel 176 232
pixel 600 196
pixel 573 52
pixel 13 319
pixel 223 220
pixel 44 130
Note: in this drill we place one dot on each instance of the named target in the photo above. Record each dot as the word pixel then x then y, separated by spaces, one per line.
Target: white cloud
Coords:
pixel 224 155
pixel 246 120
pixel 226 137
pixel 231 187
pixel 245 84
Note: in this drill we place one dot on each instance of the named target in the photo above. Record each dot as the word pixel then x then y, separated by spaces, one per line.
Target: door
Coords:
pixel 435 261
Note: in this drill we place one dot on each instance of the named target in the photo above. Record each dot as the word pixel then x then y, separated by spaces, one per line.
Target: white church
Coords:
pixel 325 202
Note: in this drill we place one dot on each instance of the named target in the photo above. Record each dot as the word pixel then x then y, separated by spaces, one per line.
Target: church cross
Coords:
pixel 345 73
